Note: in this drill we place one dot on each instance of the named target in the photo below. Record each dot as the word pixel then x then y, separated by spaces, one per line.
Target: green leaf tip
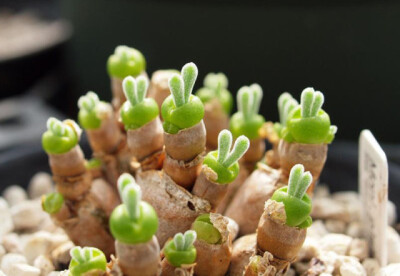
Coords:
pixel 131 195
pixel 249 100
pixel 286 103
pixel 240 147
pixel 86 260
pixel 56 127
pixel 216 81
pixel 88 101
pixel 125 61
pixel 311 102
pixel 52 202
pixel 299 181
pixel 181 86
pixel 135 90
pixel 183 242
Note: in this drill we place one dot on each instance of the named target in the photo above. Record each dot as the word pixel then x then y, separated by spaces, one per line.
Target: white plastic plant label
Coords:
pixel 373 186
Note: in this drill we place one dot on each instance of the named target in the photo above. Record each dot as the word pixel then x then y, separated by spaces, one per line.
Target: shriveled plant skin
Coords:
pixel 266 265
pixel 247 206
pixel 215 120
pixel 187 143
pixel 243 249
pixel 146 140
pixel 175 206
pixel 107 137
pixel 69 164
pixel 311 156
pixel 214 259
pixel 254 154
pixel 141 259
pixel 169 270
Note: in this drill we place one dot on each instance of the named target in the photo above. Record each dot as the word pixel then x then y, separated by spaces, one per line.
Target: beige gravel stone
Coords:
pixel 337 243
pixel 12 243
pixel 390 270
pixel 317 229
pixel 60 255
pixel 350 266
pixel 354 229
pixel 309 249
pixel 10 259
pixel 359 249
pixel 24 270
pixel 27 215
pixel 393 246
pixel 44 264
pixel 335 226
pixel 14 194
pixel 6 223
pixel 40 184
pixel 371 266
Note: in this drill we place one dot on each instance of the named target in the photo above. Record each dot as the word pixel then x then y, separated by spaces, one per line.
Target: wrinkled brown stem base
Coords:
pixel 146 140
pixel 187 143
pixel 176 207
pixel 215 120
pixel 207 189
pixel 247 206
pixel 253 154
pixel 85 224
pixel 139 259
pixel 232 189
pixel 214 259
pixel 169 270
pixel 69 164
pixel 311 156
pixel 243 249
pixel 106 195
pixel 274 236
pixel 106 138
pixel 183 173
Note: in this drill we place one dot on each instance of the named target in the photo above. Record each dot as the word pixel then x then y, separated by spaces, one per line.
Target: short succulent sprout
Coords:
pixel 59 137
pixel 308 123
pixel 297 203
pixel 125 62
pixel 180 250
pixel 224 163
pixel 91 110
pixel 215 86
pixel 181 109
pixel 247 121
pixel 87 261
pixel 206 231
pixel 286 103
pixel 137 110
pixel 94 163
pixel 134 221
pixel 52 202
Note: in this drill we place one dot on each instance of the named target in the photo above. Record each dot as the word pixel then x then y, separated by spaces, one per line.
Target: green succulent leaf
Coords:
pixel 180 249
pixel 125 62
pixel 134 221
pixel 308 123
pixel 86 260
pixel 52 203
pixel 297 203
pixel 206 231
pixel 90 109
pixel 59 137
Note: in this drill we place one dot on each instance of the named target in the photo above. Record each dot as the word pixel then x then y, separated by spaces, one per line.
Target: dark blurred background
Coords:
pixel 346 49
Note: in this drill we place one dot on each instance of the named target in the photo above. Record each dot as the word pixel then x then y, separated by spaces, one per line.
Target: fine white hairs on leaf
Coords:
pixel 240 147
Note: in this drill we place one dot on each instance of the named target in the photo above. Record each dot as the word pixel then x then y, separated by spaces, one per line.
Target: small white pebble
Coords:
pixel 14 194
pixel 371 266
pixel 354 229
pixel 27 215
pixel 335 226
pixel 59 273
pixel 60 256
pixel 392 215
pixel 40 184
pixel 2 273
pixel 2 252
pixel 359 249
pixel 44 264
pixel 309 249
pixel 337 243
pixel 390 270
pixel 317 229
pixel 6 223
pixel 24 270
pixel 12 243
pixel 9 259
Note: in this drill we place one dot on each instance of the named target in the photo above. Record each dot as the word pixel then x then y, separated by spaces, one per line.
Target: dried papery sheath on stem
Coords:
pixel 286 103
pixel 214 244
pixel 133 225
pixel 248 122
pixel 105 137
pixel 305 137
pixel 218 103
pixel 159 88
pixel 87 261
pixel 282 227
pixel 180 254
pixel 184 131
pixel 220 168
pixel 125 61
pixel 140 117
pixel 77 209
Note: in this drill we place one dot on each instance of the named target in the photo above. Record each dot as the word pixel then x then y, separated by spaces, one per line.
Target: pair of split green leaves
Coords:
pixel 305 123
pixel 87 260
pixel 60 137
